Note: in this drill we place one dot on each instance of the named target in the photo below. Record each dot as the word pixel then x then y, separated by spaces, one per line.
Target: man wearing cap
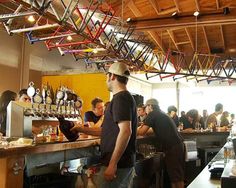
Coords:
pixel 118 132
pixel 169 140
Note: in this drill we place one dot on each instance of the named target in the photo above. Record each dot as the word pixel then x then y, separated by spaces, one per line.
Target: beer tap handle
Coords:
pixel 65 112
pixel 50 108
pixel 60 96
pixel 69 108
pixel 31 92
pixel 44 96
pixel 58 103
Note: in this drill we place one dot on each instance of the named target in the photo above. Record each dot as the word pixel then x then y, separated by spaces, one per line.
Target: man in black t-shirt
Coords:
pixel 118 132
pixel 169 140
pixel 172 112
pixel 96 115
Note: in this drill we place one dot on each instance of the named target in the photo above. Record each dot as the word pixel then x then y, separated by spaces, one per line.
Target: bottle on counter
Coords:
pixel 226 155
pixel 59 134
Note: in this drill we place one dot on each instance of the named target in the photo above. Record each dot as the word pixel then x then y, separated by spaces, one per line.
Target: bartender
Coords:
pixel 141 114
pixel 95 116
pixel 168 138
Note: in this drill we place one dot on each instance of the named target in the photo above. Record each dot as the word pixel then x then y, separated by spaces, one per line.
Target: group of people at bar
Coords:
pixel 117 125
pixel 193 120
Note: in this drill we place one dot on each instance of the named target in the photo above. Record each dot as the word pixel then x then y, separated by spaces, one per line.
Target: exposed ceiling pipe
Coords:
pixel 32 40
pixel 16 11
pixel 35 28
pixel 83 50
pixel 5 17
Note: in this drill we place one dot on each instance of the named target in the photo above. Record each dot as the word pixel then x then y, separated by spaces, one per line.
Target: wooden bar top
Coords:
pixel 85 141
pixel 194 132
pixel 50 147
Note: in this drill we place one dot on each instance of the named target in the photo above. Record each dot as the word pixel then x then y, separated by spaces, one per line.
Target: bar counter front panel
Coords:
pixel 39 154
pixel 14 159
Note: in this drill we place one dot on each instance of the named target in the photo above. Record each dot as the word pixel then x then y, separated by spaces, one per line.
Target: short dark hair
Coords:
pixel 95 101
pixel 22 92
pixel 193 114
pixel 218 107
pixel 141 106
pixel 171 108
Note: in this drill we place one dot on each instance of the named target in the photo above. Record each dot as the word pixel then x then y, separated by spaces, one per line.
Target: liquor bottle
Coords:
pixel 65 127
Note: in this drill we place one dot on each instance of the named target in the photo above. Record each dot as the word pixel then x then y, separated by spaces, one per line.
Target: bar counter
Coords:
pixel 13 159
pixel 206 138
pixel 86 141
pixel 204 178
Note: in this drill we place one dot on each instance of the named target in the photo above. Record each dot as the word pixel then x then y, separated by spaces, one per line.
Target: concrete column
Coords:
pixel 24 64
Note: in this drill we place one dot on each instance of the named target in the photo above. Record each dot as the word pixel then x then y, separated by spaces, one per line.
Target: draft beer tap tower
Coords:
pixel 42 110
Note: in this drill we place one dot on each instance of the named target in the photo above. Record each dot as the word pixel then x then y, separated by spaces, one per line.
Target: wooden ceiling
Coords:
pixel 212 32
pixel 169 25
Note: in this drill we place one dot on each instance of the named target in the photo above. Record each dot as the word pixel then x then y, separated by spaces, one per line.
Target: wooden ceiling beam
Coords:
pixel 163 23
pixel 206 39
pixel 171 34
pixel 190 38
pixel 177 5
pixel 197 5
pixel 124 6
pixel 153 34
pixel 182 43
pixel 168 11
pixel 157 40
pixel 162 12
pixel 222 36
pixel 134 9
pixel 154 5
pixel 217 4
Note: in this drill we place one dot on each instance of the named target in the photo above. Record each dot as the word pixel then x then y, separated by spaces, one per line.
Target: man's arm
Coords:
pixel 98 124
pixel 144 130
pixel 121 144
pixel 94 131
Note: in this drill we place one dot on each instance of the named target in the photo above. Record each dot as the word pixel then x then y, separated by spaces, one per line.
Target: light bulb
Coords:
pixel 95 51
pixel 31 18
pixel 69 38
pixel 196 13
